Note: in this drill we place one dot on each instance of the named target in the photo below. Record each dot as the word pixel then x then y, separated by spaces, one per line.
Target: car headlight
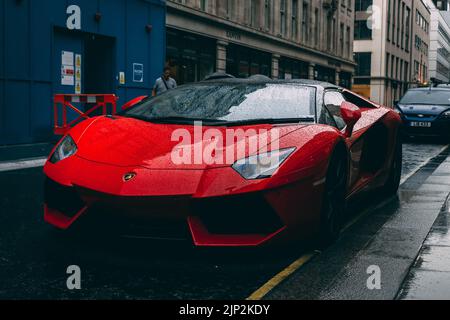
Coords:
pixel 262 165
pixel 446 114
pixel 64 150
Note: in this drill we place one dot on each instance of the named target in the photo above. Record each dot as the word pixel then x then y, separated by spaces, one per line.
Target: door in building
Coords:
pixel 83 64
pixel 99 64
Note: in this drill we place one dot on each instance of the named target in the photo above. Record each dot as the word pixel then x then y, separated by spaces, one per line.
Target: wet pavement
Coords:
pixel 34 257
pixel 429 277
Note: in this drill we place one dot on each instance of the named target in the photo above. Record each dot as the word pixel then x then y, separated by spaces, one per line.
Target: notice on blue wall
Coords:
pixel 138 72
pixel 67 68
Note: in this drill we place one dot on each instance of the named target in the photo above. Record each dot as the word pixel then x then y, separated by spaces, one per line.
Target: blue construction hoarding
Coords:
pixel 85 46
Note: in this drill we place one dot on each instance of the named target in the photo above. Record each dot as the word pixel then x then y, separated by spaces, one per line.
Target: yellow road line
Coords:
pixel 275 281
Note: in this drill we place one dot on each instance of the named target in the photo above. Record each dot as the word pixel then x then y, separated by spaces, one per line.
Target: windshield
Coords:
pixel 427 97
pixel 225 103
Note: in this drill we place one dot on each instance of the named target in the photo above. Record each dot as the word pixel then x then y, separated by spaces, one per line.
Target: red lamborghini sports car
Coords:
pixel 144 172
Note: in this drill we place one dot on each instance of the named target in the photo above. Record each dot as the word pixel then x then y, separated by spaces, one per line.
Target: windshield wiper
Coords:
pixel 177 120
pixel 271 121
pixel 218 122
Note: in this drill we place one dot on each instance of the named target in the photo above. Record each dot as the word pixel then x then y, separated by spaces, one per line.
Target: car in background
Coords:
pixel 425 112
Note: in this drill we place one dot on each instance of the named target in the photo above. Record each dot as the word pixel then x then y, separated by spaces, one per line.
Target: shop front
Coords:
pixel 191 57
pixel 293 69
pixel 345 80
pixel 243 62
pixel 322 73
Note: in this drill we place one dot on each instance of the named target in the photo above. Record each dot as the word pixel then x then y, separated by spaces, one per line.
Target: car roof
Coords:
pixel 258 79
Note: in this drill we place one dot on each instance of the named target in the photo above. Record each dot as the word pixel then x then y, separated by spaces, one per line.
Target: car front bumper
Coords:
pixel 438 127
pixel 246 220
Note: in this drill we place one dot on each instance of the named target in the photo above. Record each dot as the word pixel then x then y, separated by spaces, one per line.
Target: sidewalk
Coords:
pixel 28 151
pixel 429 277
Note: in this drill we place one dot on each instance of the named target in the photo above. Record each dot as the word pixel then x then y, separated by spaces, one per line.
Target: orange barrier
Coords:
pixel 66 101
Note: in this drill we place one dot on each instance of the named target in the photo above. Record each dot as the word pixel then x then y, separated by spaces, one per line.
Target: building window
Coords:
pixel 396 68
pixel 253 13
pixel 407 31
pixel 243 62
pixel 283 17
pixel 190 57
pixel 392 66
pixel 316 27
pixel 305 23
pixel 362 5
pixel 364 64
pixel 389 21
pixel 398 22
pixel 294 22
pixel 406 72
pixel 387 65
pixel 230 9
pixel 329 34
pixel 362 31
pixel 341 39
pixel 293 69
pixel 393 23
pixel 348 43
pixel 267 12
pixel 403 26
pixel 203 4
pixel 416 70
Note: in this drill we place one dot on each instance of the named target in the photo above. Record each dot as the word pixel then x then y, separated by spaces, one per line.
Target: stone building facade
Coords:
pixel 279 38
pixel 391 48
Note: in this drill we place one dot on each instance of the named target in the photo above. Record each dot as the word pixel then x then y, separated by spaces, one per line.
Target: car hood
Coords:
pixel 423 109
pixel 129 142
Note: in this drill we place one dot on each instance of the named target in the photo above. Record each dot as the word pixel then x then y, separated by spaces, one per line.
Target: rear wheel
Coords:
pixel 333 206
pixel 392 184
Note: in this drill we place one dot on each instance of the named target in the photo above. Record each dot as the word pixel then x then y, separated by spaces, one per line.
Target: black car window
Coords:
pixel 230 102
pixel 326 118
pixel 332 101
pixel 357 101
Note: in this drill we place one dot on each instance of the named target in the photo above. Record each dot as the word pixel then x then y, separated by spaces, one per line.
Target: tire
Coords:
pixel 334 203
pixel 392 184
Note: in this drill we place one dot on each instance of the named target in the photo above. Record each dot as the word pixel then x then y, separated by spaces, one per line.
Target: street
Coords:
pixel 34 257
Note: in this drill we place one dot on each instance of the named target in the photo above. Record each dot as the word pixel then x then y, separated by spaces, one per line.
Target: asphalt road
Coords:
pixel 34 258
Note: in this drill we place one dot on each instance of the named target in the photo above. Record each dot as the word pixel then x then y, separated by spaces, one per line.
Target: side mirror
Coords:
pixel 133 102
pixel 351 115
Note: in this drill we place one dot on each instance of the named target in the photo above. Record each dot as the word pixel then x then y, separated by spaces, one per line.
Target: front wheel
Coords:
pixel 333 206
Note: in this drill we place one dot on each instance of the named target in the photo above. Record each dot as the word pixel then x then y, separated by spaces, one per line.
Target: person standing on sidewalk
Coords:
pixel 164 83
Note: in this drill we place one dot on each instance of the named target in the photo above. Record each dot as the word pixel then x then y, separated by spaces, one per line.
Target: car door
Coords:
pixel 332 104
